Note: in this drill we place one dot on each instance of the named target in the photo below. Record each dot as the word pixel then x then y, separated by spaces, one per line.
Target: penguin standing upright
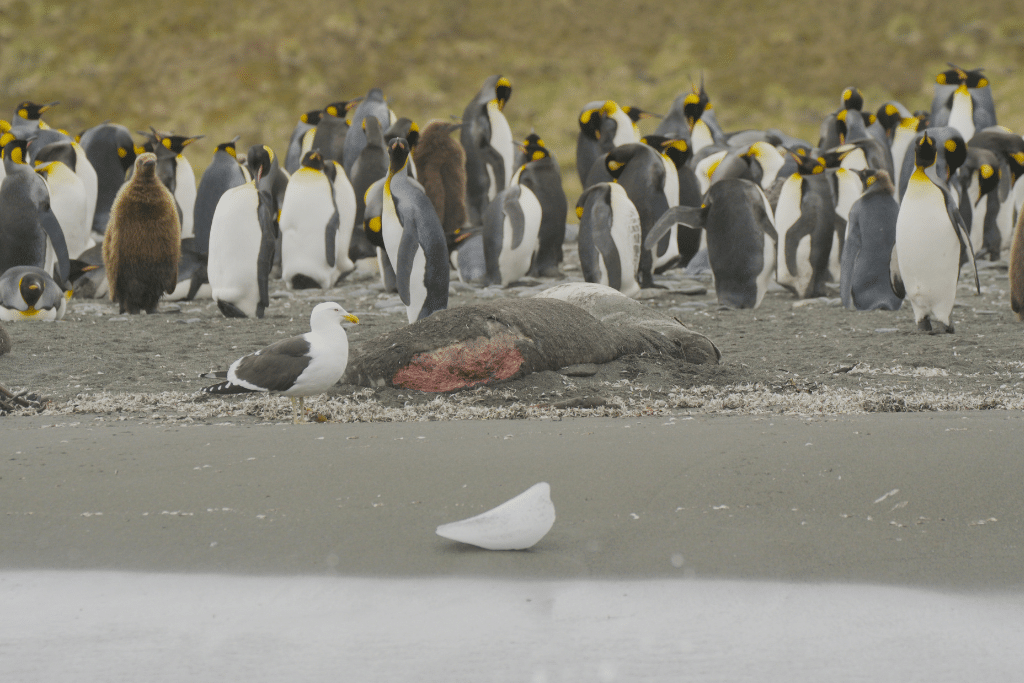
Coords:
pixel 487 140
pixel 511 231
pixel 77 161
pixel 30 234
pixel 805 225
pixel 68 200
pixel 29 293
pixel 930 236
pixel 609 237
pixel 223 173
pixel 372 225
pixel 641 172
pixel 309 226
pixel 980 201
pixel 414 239
pixel 111 152
pixel 142 244
pixel 704 128
pixel 242 247
pixel 375 105
pixel 870 237
pixel 741 239
pixel 176 173
pixel 541 174
pixel 441 166
pixel 331 132
pixel 682 243
pixel 274 181
pixel 969 93
pixel 307 122
pixel 405 127
pixel 370 166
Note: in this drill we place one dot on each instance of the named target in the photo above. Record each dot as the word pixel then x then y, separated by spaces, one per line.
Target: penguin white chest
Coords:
pixel 235 239
pixel 787 212
pixel 305 215
pixel 516 255
pixel 503 143
pixel 927 249
pixel 185 192
pixel 627 237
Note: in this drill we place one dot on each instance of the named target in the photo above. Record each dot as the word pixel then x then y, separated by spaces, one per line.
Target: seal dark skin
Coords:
pixel 142 245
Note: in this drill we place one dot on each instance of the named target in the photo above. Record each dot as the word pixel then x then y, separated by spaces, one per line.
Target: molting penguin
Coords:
pixel 68 197
pixel 223 173
pixel 176 173
pixel 930 237
pixel 242 247
pixel 29 293
pixel 511 231
pixel 870 238
pixel 609 237
pixel 541 174
pixel 414 239
pixel 30 234
pixel 375 105
pixel 142 244
pixel 441 165
pixel 310 222
pixel 111 152
pixel 741 239
pixel 488 143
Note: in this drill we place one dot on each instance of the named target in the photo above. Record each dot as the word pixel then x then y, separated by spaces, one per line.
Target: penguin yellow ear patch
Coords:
pixel 374 224
pixel 847 94
pixel 166 142
pixel 1018 157
pixel 615 165
pixel 537 156
pixel 890 110
pixel 579 212
pixel 950 145
pixel 139 150
pixel 870 181
pixel 941 79
pixel 982 82
pixel 986 171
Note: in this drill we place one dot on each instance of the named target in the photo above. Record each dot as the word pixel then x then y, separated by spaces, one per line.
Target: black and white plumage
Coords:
pixel 29 293
pixel 490 150
pixel 413 239
pixel 301 366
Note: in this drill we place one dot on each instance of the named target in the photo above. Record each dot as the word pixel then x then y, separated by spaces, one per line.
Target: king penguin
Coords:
pixel 29 293
pixel 870 237
pixel 511 232
pixel 111 152
pixel 372 217
pixel 30 234
pixel 980 201
pixel 242 246
pixel 490 149
pixel 330 132
pixel 414 239
pixel 805 224
pixel 741 239
pixel 541 175
pixel 77 161
pixel 26 119
pixel 609 237
pixel 963 97
pixel 68 198
pixel 310 223
pixel 370 166
pixel 176 173
pixel 223 173
pixel 375 105
pixel 930 236
pixel 307 122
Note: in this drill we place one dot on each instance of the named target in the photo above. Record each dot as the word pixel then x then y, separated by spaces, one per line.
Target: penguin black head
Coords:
pixel 808 165
pixel 841 128
pixel 177 143
pixel 31 287
pixel 398 151
pixel 617 159
pixel 678 151
pixel 636 113
pixel 229 147
pixel 16 151
pixel 312 117
pixel 314 160
pixel 853 99
pixel 877 180
pixel 502 92
pixel 925 153
pixel 988 180
pixel 590 123
pixel 694 106
pixel 403 128
pixel 889 117
pixel 31 111
pixel 259 159
pixel 924 117
pixel 56 151
pixel 955 154
pixel 531 143
pixel 955 76
pixel 1016 162
pixel 833 158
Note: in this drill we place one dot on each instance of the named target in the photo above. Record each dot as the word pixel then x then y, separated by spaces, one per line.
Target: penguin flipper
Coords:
pixel 605 245
pixel 330 236
pixel 268 243
pixel 51 226
pixel 493 160
pixel 895 279
pixel 690 216
pixel 964 237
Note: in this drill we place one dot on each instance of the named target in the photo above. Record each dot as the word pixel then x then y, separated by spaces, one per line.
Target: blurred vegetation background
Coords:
pixel 251 68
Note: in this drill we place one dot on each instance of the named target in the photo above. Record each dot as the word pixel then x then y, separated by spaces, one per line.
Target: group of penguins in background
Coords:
pixel 888 204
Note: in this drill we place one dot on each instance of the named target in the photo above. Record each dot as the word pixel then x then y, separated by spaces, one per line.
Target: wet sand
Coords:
pixel 740 548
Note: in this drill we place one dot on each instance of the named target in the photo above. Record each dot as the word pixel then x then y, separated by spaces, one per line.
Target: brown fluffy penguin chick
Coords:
pixel 441 170
pixel 1017 270
pixel 142 244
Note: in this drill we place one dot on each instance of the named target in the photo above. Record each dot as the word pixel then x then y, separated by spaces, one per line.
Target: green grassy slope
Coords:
pixel 250 68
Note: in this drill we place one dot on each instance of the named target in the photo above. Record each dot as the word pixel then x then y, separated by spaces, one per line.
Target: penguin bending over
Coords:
pixel 29 293
pixel 741 239
pixel 870 238
pixel 609 237
pixel 414 239
pixel 242 247
pixel 142 244
pixel 930 237
pixel 487 140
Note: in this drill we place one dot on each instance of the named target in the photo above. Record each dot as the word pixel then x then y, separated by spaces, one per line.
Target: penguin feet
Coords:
pixel 930 326
pixel 924 325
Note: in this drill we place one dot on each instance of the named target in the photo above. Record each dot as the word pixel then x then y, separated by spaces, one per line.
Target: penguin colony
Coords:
pixel 887 205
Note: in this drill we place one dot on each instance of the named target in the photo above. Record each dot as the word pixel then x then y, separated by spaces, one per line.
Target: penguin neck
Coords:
pixel 700 136
pixel 961 113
